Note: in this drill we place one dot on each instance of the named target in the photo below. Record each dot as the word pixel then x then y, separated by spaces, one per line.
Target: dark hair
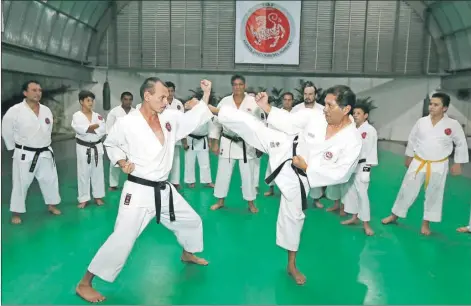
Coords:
pixel 170 85
pixel 148 85
pixel 288 93
pixel 309 84
pixel 344 96
pixel 443 97
pixel 127 93
pixel 83 94
pixel 237 77
pixel 363 107
pixel 25 85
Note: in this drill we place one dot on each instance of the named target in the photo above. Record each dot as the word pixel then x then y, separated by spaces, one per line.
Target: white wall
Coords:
pixel 399 101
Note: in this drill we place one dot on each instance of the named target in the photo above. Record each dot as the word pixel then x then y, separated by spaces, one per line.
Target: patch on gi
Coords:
pixel 274 144
pixel 47 121
pixel 262 115
pixel 23 156
pixel 448 132
pixel 363 135
pixel 366 169
pixel 179 107
pixel 100 117
pixel 127 199
pixel 328 155
pixel 311 135
pixel 168 126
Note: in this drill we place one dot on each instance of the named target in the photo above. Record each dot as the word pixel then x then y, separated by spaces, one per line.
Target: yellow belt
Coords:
pixel 428 170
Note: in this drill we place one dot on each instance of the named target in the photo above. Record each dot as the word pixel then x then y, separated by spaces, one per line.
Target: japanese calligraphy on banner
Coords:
pixel 267 32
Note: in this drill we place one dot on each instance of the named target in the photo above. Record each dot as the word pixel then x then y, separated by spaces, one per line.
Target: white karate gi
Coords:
pixel 23 131
pixel 329 161
pixel 430 147
pixel 116 112
pixel 314 193
pixel 198 148
pixel 175 173
pixel 355 191
pixel 256 167
pixel 231 151
pixel 132 138
pixel 89 158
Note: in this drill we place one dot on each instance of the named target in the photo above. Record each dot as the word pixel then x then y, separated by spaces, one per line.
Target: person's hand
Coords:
pixel 126 166
pixel 455 169
pixel 191 103
pixel 299 162
pixel 206 86
pixel 262 101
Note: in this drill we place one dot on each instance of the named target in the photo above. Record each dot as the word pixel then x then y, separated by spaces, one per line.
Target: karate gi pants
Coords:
pixel 46 174
pixel 268 172
pixel 115 172
pixel 203 163
pixel 224 174
pixel 315 193
pixel 89 173
pixel 411 185
pixel 334 192
pixel 133 217
pixel 256 171
pixel 355 197
pixel 175 172
pixel 291 217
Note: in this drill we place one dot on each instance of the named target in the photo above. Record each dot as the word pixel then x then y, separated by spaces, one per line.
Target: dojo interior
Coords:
pixel 397 53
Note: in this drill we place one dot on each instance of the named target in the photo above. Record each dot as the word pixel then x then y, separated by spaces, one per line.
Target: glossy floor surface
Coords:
pixel 43 259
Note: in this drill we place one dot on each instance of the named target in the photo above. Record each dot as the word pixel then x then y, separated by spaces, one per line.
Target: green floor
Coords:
pixel 43 259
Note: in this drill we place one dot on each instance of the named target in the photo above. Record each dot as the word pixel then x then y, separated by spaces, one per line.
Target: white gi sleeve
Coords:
pixel 289 123
pixel 110 120
pixel 115 143
pixel 461 146
pixel 191 120
pixel 371 147
pixel 80 124
pixel 8 128
pixel 100 131
pixel 321 173
pixel 412 141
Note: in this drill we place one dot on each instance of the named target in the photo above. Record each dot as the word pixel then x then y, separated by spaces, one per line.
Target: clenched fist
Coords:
pixel 206 86
pixel 299 162
pixel 262 101
pixel 126 166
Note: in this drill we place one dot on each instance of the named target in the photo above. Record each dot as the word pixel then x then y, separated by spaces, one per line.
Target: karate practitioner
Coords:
pixel 175 104
pixel 465 229
pixel 233 148
pixel 27 129
pixel 355 191
pixel 118 112
pixel 310 94
pixel 315 151
pixel 90 128
pixel 288 99
pixel 258 155
pixel 430 144
pixel 198 143
pixel 142 145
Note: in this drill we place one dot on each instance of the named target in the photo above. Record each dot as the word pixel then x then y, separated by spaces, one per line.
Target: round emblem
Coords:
pixel 168 126
pixel 47 121
pixel 448 132
pixel 268 30
pixel 363 135
pixel 179 107
pixel 328 155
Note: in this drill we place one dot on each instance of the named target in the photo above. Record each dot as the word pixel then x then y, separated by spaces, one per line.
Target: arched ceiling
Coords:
pixel 74 29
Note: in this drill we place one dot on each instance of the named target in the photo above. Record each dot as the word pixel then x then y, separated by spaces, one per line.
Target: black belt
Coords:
pixel 158 186
pixel 38 151
pixel 197 137
pixel 363 160
pixel 365 168
pixel 90 145
pixel 297 171
pixel 238 139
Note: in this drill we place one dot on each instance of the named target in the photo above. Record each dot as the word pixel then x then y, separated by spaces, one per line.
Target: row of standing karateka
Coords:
pixel 32 127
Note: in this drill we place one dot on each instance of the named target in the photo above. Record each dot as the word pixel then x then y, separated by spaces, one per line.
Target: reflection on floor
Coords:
pixel 45 257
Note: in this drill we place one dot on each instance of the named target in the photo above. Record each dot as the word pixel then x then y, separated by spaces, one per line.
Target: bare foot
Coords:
pixel 368 230
pixel 53 210
pixel 99 202
pixel 253 209
pixel 464 229
pixel 333 208
pixel 390 219
pixel 342 212
pixel 191 185
pixel 16 219
pixel 113 188
pixel 425 230
pixel 217 206
pixel 298 276
pixel 210 185
pixel 89 294
pixel 191 258
pixel 352 220
pixel 82 205
pixel 270 192
pixel 318 204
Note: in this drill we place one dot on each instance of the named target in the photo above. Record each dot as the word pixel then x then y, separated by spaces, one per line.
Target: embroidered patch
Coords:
pixel 100 117
pixel 262 115
pixel 366 169
pixel 311 135
pixel 274 144
pixel 328 155
pixel 277 144
pixel 47 121
pixel 23 156
pixel 363 135
pixel 168 126
pixel 127 199
pixel 448 132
